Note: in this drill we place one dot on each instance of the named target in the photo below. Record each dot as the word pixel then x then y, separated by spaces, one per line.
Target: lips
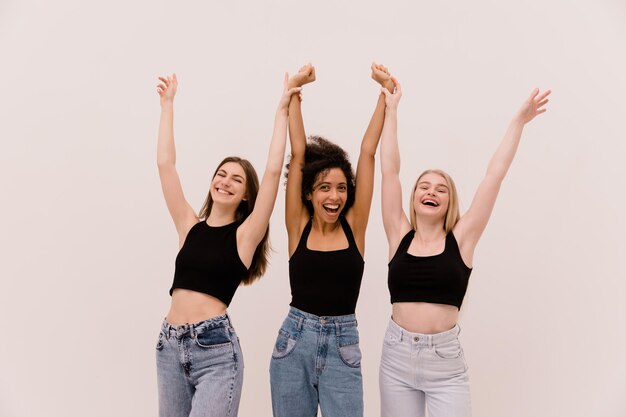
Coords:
pixel 222 191
pixel 331 208
pixel 430 202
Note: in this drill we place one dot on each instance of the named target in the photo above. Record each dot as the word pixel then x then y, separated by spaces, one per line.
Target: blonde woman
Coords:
pixel 430 260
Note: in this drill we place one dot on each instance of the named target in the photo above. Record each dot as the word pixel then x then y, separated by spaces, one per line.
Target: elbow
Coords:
pixel 165 163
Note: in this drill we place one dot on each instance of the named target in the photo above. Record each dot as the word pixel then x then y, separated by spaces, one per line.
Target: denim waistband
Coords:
pixel 420 339
pixel 311 320
pixel 192 329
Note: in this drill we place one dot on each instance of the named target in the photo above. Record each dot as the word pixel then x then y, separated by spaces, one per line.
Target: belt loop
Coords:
pixel 192 331
pixel 167 330
pixel 300 321
pixel 401 334
pixel 337 329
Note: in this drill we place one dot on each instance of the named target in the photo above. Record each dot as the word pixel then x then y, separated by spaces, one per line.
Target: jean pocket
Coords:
pixel 160 341
pixel 215 338
pixel 449 350
pixel 391 339
pixel 285 344
pixel 350 355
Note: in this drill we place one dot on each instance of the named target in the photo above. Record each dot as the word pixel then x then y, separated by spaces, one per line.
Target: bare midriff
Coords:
pixel 192 307
pixel 425 318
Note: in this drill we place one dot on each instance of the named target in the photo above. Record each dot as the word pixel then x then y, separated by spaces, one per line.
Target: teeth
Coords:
pixel 331 206
pixel 430 203
pixel 219 190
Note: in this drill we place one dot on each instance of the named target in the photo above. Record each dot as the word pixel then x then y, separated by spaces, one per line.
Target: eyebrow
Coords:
pixel 328 183
pixel 436 185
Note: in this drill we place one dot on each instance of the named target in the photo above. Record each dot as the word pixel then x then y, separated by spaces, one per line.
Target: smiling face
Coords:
pixel 434 196
pixel 431 196
pixel 329 195
pixel 229 184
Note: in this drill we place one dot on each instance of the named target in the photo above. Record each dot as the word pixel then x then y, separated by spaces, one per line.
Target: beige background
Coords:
pixel 88 247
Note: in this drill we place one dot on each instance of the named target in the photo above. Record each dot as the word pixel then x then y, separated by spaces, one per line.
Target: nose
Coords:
pixel 333 194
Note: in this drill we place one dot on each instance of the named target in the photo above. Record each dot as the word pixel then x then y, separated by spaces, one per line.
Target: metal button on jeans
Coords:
pixel 323 321
pixel 416 338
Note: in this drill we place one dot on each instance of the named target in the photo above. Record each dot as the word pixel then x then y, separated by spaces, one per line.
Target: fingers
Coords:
pixel 285 80
pixel 543 95
pixel 533 94
pixel 542 103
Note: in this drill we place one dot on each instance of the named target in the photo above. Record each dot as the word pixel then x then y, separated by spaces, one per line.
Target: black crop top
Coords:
pixel 326 283
pixel 209 262
pixel 441 278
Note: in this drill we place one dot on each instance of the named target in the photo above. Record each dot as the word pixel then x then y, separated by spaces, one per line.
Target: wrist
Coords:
pixel 167 103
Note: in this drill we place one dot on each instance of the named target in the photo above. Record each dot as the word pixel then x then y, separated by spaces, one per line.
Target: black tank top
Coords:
pixel 209 262
pixel 441 278
pixel 326 283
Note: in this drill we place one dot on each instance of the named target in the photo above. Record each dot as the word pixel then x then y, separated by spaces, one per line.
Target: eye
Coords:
pixel 221 174
pixel 239 180
pixel 442 190
pixel 324 188
pixel 423 187
pixel 342 188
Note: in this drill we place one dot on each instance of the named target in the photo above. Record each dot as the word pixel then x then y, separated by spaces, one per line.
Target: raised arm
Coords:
pixel 251 232
pixel 395 221
pixel 472 224
pixel 295 211
pixel 183 215
pixel 359 214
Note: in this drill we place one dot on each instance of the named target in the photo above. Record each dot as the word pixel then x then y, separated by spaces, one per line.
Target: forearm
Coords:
pixel 503 157
pixel 374 129
pixel 166 150
pixel 297 135
pixel 389 149
pixel 276 152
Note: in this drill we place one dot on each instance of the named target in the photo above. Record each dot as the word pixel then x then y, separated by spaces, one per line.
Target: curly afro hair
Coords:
pixel 320 156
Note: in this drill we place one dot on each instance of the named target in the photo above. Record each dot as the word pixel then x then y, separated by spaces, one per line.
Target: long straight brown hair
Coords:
pixel 261 254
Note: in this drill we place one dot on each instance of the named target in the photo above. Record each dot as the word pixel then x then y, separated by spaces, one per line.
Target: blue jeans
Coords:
pixel 317 360
pixel 199 369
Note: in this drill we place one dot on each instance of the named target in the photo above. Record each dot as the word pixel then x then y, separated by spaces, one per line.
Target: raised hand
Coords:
pixel 283 104
pixel 305 75
pixel 392 99
pixel 167 88
pixel 533 106
pixel 381 75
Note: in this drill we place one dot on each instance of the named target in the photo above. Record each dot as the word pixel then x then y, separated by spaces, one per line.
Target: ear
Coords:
pixel 308 196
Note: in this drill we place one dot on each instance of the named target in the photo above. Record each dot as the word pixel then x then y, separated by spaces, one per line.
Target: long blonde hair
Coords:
pixel 452 214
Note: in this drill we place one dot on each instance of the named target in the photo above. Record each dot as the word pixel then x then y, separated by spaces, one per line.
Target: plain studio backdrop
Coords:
pixel 88 247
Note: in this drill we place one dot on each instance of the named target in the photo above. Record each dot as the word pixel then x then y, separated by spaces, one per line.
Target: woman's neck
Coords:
pixel 220 216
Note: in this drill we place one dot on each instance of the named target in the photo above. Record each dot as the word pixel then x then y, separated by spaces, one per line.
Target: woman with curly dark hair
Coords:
pixel 316 359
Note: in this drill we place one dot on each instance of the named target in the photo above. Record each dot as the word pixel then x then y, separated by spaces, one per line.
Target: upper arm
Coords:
pixel 472 224
pixel 182 214
pixel 395 221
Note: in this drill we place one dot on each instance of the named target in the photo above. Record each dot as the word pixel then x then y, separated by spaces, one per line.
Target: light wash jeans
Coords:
pixel 317 360
pixel 423 370
pixel 199 369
